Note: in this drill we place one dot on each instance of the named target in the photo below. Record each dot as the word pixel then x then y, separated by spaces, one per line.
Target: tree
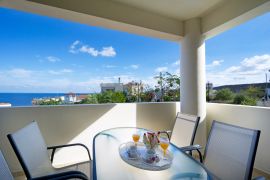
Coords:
pixel 249 101
pixel 105 97
pixel 161 86
pixel 254 92
pixel 147 96
pixel 50 102
pixel 168 86
pixel 118 97
pixel 208 91
pixel 244 100
pixel 239 99
pixel 91 99
pixel 224 95
pixel 111 97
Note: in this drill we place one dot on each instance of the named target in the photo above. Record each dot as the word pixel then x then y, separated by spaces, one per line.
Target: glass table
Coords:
pixel 107 163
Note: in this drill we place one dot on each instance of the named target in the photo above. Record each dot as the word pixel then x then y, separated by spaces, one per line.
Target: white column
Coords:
pixel 192 76
pixel 192 70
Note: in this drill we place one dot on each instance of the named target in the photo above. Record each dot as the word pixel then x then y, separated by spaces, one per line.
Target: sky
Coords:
pixel 42 54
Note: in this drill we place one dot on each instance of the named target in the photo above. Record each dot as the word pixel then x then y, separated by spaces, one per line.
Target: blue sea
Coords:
pixel 25 99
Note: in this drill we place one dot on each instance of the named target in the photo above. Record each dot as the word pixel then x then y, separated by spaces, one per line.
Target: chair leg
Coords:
pixel 200 154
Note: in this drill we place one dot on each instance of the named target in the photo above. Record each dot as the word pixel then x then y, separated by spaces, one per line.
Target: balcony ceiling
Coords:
pixel 156 18
pixel 177 9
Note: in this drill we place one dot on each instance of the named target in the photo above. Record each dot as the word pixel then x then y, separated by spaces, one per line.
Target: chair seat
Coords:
pixel 84 167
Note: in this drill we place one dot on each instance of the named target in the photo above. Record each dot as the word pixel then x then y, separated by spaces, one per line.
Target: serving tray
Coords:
pixel 139 159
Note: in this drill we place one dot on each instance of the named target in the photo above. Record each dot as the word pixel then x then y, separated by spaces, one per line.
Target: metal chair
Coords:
pixel 184 132
pixel 31 151
pixel 5 173
pixel 230 151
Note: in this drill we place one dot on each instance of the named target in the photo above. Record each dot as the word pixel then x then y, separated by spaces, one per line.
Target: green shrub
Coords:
pixel 244 100
pixel 224 95
pixel 111 97
pixel 118 97
pixel 91 99
pixel 249 101
pixel 239 99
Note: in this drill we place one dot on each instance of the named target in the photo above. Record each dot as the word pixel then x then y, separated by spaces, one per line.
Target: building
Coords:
pixel 5 105
pixel 134 88
pixel 70 98
pixel 115 87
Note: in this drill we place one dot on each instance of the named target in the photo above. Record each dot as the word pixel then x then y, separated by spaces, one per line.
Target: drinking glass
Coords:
pixel 136 137
pixel 164 144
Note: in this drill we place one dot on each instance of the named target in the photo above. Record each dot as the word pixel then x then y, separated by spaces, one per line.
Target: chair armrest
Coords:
pixel 168 133
pixel 191 148
pixel 67 145
pixel 259 178
pixel 64 175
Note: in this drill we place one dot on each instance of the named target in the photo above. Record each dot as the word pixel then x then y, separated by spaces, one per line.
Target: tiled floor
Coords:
pixel 256 173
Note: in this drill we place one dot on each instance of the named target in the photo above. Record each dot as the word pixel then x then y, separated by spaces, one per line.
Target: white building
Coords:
pixel 5 105
pixel 115 87
pixel 134 88
pixel 70 98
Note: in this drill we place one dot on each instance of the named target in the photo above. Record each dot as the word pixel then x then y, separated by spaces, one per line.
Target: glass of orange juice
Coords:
pixel 164 144
pixel 136 137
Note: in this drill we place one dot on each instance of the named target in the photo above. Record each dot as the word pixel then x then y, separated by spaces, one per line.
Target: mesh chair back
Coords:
pixel 4 170
pixel 184 130
pixel 231 150
pixel 31 151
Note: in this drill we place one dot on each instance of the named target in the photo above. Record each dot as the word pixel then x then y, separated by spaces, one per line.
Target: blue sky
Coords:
pixel 42 54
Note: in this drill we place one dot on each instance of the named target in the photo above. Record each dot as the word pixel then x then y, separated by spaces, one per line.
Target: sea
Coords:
pixel 25 99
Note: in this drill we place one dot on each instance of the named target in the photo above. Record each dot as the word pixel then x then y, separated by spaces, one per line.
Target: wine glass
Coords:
pixel 136 137
pixel 164 144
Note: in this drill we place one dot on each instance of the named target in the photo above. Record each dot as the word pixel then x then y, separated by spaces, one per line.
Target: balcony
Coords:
pixel 187 22
pixel 69 124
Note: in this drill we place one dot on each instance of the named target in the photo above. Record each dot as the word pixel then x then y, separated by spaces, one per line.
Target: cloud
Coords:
pixel 110 66
pixel 134 66
pixel 78 47
pixel 176 63
pixel 73 46
pixel 107 52
pixel 233 69
pixel 58 81
pixel 60 72
pixel 177 71
pixel 89 50
pixel 250 70
pixel 161 69
pixel 19 73
pixel 53 59
pixel 214 63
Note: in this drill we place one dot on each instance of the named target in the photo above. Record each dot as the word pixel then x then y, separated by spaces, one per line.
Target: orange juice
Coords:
pixel 135 137
pixel 164 145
